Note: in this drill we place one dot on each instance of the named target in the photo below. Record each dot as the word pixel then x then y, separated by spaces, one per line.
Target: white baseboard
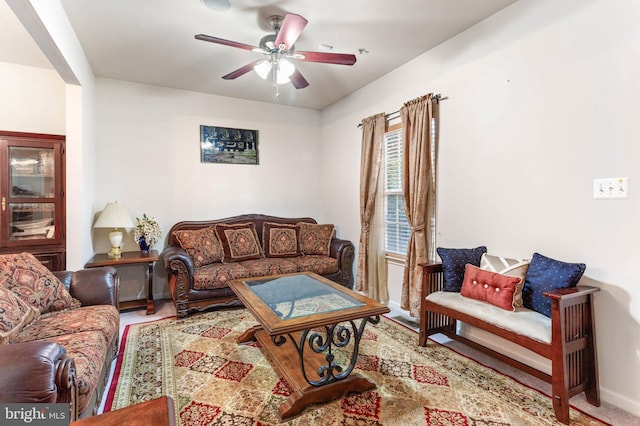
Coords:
pixel 396 310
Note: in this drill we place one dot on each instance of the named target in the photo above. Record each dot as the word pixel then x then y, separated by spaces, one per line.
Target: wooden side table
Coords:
pixel 131 258
pixel 156 412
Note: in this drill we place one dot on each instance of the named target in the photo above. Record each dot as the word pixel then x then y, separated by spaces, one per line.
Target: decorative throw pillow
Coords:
pixel 546 274
pixel 454 261
pixel 506 266
pixel 202 245
pixel 280 240
pixel 32 282
pixel 315 238
pixel 491 287
pixel 14 314
pixel 239 242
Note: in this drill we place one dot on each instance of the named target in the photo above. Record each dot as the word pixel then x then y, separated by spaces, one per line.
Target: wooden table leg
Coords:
pixel 151 307
pixel 249 335
pixel 301 399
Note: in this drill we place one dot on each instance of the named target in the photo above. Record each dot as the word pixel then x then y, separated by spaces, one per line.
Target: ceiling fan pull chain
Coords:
pixel 275 79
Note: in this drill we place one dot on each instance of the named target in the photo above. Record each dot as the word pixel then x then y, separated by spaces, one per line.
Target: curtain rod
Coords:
pixel 395 114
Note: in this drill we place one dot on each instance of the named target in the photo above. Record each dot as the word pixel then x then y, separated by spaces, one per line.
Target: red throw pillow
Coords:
pixel 491 287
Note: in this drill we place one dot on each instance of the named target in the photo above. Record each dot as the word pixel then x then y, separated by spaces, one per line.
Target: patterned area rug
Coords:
pixel 215 381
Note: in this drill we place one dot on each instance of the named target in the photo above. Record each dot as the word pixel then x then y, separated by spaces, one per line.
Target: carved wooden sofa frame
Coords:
pixel 180 268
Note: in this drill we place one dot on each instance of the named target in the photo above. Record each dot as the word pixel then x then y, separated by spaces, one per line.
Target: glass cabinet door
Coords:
pixel 31 221
pixel 31 203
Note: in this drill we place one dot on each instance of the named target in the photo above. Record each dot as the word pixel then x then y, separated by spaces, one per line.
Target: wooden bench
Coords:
pixel 571 351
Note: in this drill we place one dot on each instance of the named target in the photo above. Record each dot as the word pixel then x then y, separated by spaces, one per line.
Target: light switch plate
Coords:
pixel 611 188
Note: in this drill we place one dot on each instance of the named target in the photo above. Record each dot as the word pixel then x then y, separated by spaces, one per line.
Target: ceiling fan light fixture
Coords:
pixel 282 78
pixel 285 68
pixel 263 68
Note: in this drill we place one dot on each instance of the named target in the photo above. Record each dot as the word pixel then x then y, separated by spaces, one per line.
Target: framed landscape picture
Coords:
pixel 228 146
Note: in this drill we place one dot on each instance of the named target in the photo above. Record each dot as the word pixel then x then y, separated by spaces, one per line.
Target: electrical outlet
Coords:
pixel 611 188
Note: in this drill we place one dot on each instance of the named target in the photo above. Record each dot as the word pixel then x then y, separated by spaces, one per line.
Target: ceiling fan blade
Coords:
pixel 291 28
pixel 298 80
pixel 328 58
pixel 240 71
pixel 222 41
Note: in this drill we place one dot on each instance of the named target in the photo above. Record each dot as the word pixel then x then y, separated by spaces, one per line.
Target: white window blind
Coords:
pixel 395 219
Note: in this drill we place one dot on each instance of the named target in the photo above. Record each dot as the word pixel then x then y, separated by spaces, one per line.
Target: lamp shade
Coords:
pixel 114 215
pixel 263 68
pixel 286 68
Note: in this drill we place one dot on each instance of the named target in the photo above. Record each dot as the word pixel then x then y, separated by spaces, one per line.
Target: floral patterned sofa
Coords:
pixel 201 257
pixel 58 333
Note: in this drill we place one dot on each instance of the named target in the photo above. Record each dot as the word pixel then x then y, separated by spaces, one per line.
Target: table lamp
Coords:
pixel 114 216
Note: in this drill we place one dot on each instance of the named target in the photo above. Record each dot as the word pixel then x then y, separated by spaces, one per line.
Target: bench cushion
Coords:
pixel 523 321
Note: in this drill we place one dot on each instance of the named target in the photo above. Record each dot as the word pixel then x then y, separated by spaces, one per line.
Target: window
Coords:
pixel 397 231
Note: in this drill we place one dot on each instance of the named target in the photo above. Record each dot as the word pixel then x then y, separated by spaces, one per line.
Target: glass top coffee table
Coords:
pixel 310 329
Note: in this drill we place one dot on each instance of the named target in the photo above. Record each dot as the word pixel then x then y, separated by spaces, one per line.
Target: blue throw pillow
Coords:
pixel 454 262
pixel 546 274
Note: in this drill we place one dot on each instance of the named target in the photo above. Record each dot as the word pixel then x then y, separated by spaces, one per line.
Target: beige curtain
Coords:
pixel 419 189
pixel 371 273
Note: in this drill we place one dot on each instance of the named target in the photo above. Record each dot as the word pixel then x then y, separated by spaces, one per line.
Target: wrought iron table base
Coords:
pixel 314 351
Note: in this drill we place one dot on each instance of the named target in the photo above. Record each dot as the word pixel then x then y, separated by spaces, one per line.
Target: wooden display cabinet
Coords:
pixel 32 191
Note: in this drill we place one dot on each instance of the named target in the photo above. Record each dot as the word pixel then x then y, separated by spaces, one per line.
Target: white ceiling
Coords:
pixel 153 42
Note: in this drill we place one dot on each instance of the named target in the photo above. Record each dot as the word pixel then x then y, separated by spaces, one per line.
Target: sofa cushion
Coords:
pixel 35 284
pixel 269 266
pixel 15 314
pixel 218 275
pixel 507 266
pixel 496 289
pixel 239 242
pixel 103 319
pixel 88 349
pixel 454 261
pixel 315 238
pixel 546 274
pixel 202 245
pixel 280 240
pixel 321 265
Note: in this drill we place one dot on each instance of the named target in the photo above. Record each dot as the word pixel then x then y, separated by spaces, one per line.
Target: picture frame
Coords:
pixel 225 145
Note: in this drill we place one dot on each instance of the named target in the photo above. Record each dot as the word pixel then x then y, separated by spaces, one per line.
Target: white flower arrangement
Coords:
pixel 148 227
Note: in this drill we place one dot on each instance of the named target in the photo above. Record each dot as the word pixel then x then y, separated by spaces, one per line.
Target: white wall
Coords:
pixel 148 151
pixel 541 100
pixel 32 100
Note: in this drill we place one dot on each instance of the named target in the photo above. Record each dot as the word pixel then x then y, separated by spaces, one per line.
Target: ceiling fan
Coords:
pixel 279 48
